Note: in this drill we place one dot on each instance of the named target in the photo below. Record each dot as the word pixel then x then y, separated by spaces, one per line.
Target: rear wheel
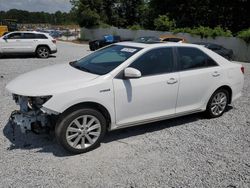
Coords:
pixel 217 103
pixel 81 130
pixel 42 52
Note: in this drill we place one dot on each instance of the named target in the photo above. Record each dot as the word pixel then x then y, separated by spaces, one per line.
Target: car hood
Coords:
pixel 49 80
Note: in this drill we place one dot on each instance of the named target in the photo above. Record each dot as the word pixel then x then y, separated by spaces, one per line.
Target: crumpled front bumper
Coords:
pixel 28 121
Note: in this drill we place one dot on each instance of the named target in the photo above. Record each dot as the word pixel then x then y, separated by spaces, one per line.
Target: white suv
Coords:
pixel 26 42
pixel 123 85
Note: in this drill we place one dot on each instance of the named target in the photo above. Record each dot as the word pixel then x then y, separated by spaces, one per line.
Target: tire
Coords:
pixel 75 132
pixel 217 103
pixel 91 48
pixel 42 52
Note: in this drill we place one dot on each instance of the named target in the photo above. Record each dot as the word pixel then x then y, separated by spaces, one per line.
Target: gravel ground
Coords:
pixel 190 151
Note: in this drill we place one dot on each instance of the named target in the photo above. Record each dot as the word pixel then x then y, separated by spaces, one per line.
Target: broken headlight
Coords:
pixel 37 102
pixel 31 102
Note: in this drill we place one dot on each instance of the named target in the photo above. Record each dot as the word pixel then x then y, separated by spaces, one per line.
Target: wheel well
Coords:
pixel 40 45
pixel 93 105
pixel 229 90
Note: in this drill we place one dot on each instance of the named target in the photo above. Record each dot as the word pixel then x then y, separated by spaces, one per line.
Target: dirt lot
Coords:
pixel 189 151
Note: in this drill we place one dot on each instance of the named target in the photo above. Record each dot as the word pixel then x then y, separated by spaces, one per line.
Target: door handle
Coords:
pixel 172 81
pixel 216 74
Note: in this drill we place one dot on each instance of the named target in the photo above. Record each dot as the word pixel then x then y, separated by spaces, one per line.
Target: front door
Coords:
pixel 12 43
pixel 153 95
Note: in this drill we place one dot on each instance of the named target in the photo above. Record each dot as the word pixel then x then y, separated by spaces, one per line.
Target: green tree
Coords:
pixel 87 12
pixel 38 17
pixel 163 23
pixel 121 13
pixel 233 14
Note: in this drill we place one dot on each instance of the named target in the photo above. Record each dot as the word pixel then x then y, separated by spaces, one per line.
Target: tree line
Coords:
pixel 24 17
pixel 233 15
pixel 165 15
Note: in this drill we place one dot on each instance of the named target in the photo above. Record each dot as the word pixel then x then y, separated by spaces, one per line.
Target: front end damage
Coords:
pixel 31 117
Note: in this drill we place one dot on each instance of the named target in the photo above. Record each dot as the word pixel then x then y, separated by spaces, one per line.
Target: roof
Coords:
pixel 167 44
pixel 36 32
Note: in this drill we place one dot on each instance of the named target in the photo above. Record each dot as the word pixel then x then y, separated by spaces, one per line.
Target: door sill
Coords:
pixel 155 119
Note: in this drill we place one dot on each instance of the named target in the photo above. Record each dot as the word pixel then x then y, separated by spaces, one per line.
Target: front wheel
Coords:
pixel 42 52
pixel 217 103
pixel 81 130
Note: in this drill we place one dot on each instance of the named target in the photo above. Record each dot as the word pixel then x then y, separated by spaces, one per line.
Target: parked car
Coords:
pixel 172 38
pixel 55 34
pixel 106 40
pixel 123 85
pixel 226 53
pixel 51 32
pixel 148 39
pixel 26 42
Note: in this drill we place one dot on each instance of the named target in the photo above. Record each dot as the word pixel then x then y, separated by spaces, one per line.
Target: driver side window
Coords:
pixel 156 61
pixel 15 36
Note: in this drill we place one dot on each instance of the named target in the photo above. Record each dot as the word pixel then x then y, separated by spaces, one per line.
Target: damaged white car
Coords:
pixel 122 85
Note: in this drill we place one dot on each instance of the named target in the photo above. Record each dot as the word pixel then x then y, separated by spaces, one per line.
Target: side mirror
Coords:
pixel 132 73
pixel 5 38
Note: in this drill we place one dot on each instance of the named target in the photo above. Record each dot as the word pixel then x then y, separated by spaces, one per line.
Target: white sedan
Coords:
pixel 122 85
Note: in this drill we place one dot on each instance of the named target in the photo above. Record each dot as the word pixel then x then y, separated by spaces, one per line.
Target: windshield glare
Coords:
pixel 105 60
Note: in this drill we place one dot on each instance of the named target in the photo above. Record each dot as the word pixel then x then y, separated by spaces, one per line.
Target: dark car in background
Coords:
pixel 106 40
pixel 147 39
pixel 226 53
pixel 51 32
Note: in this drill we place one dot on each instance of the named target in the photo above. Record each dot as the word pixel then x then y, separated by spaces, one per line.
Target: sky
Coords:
pixel 36 5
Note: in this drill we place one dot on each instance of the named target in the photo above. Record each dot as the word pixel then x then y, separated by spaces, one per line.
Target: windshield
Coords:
pixel 105 60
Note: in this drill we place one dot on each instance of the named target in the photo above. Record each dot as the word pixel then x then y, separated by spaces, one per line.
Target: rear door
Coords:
pixel 199 75
pixel 29 42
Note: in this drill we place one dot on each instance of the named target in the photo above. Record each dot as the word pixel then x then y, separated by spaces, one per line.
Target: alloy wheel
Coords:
pixel 83 132
pixel 219 103
pixel 43 52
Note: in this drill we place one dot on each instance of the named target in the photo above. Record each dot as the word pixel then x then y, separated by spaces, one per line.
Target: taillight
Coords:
pixel 242 69
pixel 54 41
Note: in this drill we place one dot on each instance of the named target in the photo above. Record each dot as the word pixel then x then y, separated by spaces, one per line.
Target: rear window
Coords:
pixel 29 36
pixel 193 58
pixel 41 36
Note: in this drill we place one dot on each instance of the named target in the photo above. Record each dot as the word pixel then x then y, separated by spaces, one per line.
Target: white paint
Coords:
pixel 22 45
pixel 132 101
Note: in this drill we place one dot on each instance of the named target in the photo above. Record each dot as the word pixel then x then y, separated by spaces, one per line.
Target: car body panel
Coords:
pixel 49 81
pixel 141 98
pixel 132 101
pixel 99 91
pixel 195 86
